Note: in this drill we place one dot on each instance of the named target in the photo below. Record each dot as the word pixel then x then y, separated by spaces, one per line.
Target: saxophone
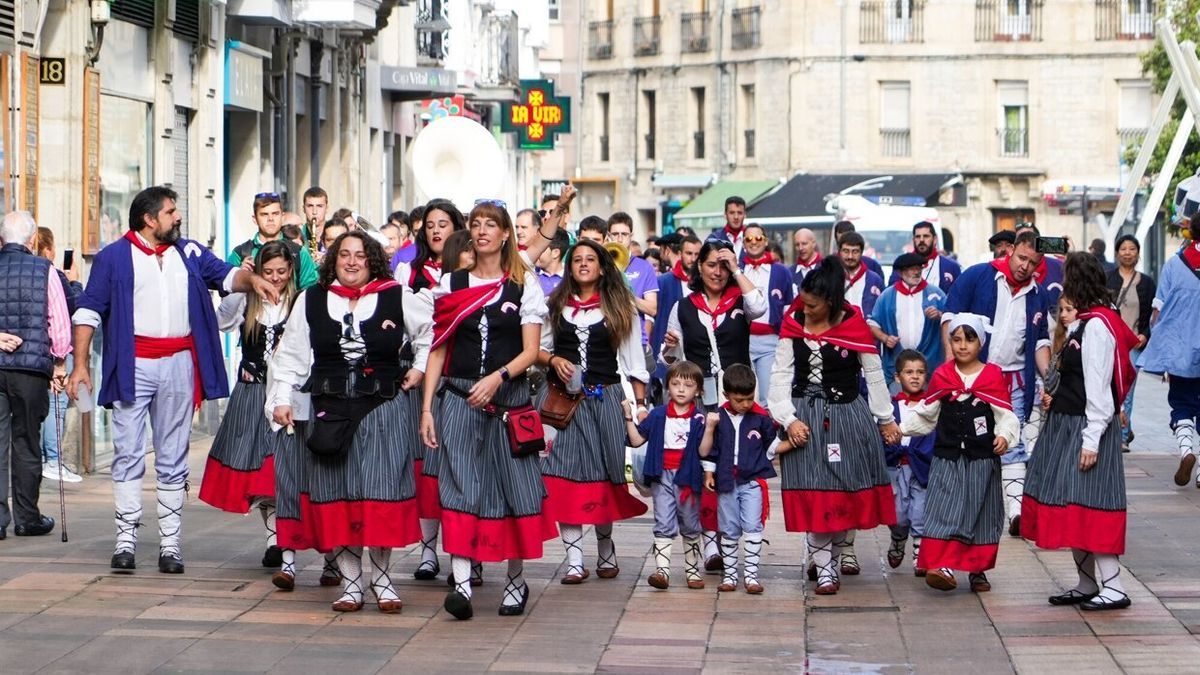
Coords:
pixel 313 247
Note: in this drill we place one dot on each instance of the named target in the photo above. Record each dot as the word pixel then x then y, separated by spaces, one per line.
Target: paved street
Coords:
pixel 61 610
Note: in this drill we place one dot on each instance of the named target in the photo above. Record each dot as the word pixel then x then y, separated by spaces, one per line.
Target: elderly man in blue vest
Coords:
pixel 162 357
pixel 1007 292
pixel 35 331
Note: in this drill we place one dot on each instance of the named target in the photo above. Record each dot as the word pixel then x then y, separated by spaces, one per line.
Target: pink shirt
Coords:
pixel 58 318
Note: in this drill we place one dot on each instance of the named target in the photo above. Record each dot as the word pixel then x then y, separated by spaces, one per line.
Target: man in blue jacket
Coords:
pixel 775 279
pixel 1006 291
pixel 939 270
pixel 162 357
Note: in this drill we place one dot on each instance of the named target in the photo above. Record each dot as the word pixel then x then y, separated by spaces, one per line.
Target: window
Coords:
pixel 746 31
pixel 748 116
pixel 1013 128
pixel 604 110
pixel 894 108
pixel 650 110
pixel 698 116
pixel 1125 19
pixel 1134 111
pixel 1008 20
pixel 890 21
pixel 554 7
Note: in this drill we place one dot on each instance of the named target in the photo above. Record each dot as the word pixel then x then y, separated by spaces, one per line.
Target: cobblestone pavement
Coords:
pixel 62 611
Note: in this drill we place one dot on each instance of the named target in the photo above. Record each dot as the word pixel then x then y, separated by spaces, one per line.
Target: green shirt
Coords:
pixel 306 274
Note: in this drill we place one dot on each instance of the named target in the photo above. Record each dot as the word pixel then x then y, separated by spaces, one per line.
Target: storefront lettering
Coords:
pixel 538 115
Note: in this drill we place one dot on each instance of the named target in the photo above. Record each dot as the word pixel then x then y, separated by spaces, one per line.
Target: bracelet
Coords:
pixel 628 419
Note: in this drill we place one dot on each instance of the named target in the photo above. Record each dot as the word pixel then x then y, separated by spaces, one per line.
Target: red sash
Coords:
pixel 160 348
pixel 989 385
pixel 351 293
pixel 578 305
pixel 862 272
pixel 1191 256
pixel 1123 370
pixel 452 309
pixel 765 259
pixel 852 333
pixel 679 272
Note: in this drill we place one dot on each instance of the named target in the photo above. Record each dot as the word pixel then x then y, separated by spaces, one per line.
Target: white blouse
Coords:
pixel 1099 352
pixel 779 397
pixel 925 417
pixel 631 361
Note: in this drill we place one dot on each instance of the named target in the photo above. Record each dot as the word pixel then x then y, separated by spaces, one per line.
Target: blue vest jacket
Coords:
pixel 755 435
pixel 24 311
pixel 778 291
pixel 109 293
pixel 872 291
pixel 919 451
pixel 975 292
pixel 654 429
pixel 930 346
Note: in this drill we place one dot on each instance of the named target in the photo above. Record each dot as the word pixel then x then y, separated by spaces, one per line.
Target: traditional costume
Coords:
pixel 938 270
pixel 775 280
pixel 801 270
pixel 901 312
pixel 908 466
pixel 863 288
pixel 672 287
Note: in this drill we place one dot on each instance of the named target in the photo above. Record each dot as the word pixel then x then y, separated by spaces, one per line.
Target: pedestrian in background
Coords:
pixel 1134 293
pixel 54 428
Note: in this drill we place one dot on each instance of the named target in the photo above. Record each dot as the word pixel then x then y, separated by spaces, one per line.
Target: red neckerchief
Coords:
pixel 578 305
pixel 1014 286
pixel 851 280
pixel 816 260
pixel 933 254
pixel 903 289
pixel 989 385
pixel 686 414
pixel 1191 256
pixel 351 293
pixel 905 397
pixel 679 272
pixel 756 409
pixel 733 234
pixel 1123 370
pixel 728 299
pixel 765 259
pixel 134 239
pixel 1043 268
pixel 852 333
pixel 452 309
pixel 522 247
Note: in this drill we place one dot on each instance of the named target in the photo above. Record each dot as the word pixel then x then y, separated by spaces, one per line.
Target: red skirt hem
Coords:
pixel 833 511
pixel 596 503
pixel 957 555
pixel 232 490
pixel 496 539
pixel 1073 526
pixel 290 533
pixel 429 502
pixel 352 523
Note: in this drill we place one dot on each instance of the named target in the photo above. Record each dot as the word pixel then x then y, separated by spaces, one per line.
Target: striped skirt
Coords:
pixel 291 460
pixel 492 503
pixel 424 460
pixel 368 497
pixel 964 515
pixel 1064 507
pixel 839 480
pixel 585 470
pixel 241 463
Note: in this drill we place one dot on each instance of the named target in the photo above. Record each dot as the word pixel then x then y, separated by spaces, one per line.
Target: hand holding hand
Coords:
pixel 798 433
pixel 891 433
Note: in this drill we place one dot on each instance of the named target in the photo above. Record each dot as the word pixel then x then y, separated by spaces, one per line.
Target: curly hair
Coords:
pixel 616 300
pixel 377 260
pixel 695 280
pixel 1084 282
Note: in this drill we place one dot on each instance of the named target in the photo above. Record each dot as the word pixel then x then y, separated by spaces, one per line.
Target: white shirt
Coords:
pixel 854 291
pixel 910 319
pixel 925 419
pixel 677 431
pixel 1099 348
pixel 932 271
pixel 532 309
pixel 631 361
pixel 754 304
pixel 1007 341
pixel 711 466
pixel 760 276
pixel 779 397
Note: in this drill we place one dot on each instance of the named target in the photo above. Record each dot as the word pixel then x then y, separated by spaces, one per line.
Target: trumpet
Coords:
pixel 619 253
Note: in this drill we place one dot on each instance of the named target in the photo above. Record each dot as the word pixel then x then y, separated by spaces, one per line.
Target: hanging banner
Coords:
pixel 537 115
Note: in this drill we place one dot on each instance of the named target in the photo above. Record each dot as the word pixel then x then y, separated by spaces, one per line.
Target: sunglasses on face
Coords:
pixel 542 213
pixel 755 240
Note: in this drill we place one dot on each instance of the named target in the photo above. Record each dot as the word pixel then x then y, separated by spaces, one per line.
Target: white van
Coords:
pixel 887 229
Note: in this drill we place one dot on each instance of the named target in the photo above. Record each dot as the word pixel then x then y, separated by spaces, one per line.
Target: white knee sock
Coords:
pixel 691 558
pixel 1085 565
pixel 843 548
pixel 729 556
pixel 460 567
pixel 1110 578
pixel 170 516
pixel 1012 476
pixel 127 496
pixel 820 547
pixel 662 555
pixel 752 547
pixel 515 589
pixel 711 547
pixel 349 563
pixel 572 538
pixel 267 510
pixel 429 538
pixel 1185 431
pixel 381 582
pixel 606 552
pixel 289 561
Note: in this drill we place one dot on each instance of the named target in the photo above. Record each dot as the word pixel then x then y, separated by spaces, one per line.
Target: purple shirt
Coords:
pixel 643 279
pixel 549 282
pixel 406 254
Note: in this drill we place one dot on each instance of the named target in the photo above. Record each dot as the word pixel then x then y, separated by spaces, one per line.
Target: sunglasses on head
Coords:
pixel 273 196
pixel 498 203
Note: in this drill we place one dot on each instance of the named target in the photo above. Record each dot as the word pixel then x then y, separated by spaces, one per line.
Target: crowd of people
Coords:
pixel 475 379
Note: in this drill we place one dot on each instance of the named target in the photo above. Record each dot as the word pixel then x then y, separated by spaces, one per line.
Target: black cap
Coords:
pixel 908 260
pixel 1003 237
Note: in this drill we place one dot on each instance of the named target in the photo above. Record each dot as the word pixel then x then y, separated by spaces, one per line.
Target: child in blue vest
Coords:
pixel 672 469
pixel 908 462
pixel 739 443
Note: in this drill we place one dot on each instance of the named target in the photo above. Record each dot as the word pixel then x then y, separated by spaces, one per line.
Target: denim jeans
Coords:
pixel 1127 406
pixel 50 426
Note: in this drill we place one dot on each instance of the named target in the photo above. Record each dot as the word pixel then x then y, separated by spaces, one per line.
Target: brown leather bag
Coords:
pixel 558 408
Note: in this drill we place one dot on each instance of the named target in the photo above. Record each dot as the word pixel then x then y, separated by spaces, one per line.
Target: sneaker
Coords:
pixel 50 472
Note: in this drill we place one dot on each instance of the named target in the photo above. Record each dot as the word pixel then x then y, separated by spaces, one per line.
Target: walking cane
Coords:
pixel 60 427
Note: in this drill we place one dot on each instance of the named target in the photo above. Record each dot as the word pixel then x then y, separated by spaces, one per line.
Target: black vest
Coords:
pixel 504 343
pixel 1071 396
pixel 23 310
pixel 253 367
pixel 733 336
pixel 839 374
pixel 378 372
pixel 601 357
pixel 956 435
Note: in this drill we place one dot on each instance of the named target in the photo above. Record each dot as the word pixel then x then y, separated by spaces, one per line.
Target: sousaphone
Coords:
pixel 456 158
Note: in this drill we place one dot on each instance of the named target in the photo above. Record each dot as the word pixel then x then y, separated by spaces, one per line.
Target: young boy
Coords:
pixel 908 462
pixel 739 443
pixel 672 469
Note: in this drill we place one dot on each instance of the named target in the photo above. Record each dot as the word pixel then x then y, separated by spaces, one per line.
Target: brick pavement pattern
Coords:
pixel 61 611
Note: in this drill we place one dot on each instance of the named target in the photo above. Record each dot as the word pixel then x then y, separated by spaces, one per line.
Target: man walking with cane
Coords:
pixel 162 357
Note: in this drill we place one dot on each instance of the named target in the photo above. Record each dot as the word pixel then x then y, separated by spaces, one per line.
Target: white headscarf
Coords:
pixel 976 322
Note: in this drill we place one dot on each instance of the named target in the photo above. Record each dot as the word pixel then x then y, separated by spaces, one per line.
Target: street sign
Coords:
pixel 537 116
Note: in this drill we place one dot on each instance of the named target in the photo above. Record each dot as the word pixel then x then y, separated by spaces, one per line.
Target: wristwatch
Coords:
pixel 504 375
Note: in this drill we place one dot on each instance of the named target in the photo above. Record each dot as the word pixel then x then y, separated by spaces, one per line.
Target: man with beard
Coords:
pixel 1007 292
pixel 162 357
pixel 863 285
pixel 939 270
pixel 807 256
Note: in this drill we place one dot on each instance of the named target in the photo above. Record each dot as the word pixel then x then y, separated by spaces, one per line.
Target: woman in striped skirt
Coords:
pixel 838 481
pixel 968 404
pixel 1075 491
pixel 240 471
pixel 591 339
pixel 487 325
pixel 342 345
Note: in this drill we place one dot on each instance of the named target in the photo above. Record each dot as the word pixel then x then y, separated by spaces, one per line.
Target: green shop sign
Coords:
pixel 537 116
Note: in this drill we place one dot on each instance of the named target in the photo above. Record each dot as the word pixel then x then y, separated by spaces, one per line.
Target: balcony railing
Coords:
pixel 747 27
pixel 600 39
pixel 891 21
pixel 604 148
pixel 647 35
pixel 698 144
pixel 1008 20
pixel 1014 142
pixel 650 146
pixel 1125 19
pixel 749 143
pixel 895 142
pixel 694 32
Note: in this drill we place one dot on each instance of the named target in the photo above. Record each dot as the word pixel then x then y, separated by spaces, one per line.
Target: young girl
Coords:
pixel 458 252
pixel 1032 429
pixel 240 471
pixel 672 468
pixel 969 406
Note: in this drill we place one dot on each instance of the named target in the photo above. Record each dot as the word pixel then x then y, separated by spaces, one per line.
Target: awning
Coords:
pixel 801 200
pixel 677 181
pixel 708 209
